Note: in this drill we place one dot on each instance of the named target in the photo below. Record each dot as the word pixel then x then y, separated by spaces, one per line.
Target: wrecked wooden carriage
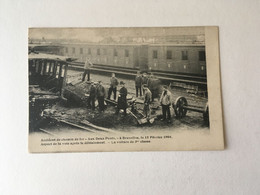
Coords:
pixel 47 77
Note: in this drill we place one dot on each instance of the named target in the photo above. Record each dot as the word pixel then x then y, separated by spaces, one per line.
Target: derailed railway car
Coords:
pixel 47 70
pixel 46 48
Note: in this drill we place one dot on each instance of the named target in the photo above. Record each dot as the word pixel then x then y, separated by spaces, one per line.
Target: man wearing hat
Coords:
pixel 165 101
pixel 87 66
pixel 138 83
pixel 147 101
pixel 122 101
pixel 100 96
pixel 92 96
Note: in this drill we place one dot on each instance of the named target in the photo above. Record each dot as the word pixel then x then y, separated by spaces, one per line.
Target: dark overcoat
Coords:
pixel 122 101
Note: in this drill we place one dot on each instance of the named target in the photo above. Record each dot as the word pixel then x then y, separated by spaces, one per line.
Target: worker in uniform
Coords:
pixel 92 96
pixel 87 66
pixel 101 96
pixel 165 101
pixel 147 101
pixel 144 80
pixel 138 83
pixel 113 86
pixel 122 100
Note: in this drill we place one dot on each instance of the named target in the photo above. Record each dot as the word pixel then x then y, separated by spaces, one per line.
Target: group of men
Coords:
pixel 144 86
pixel 99 93
pixel 165 101
pixel 149 87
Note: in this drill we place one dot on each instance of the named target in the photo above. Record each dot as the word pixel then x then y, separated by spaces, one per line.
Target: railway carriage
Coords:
pixel 189 59
pixel 174 58
pixel 118 55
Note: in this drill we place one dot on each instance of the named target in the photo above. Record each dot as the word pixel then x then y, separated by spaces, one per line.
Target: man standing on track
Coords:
pixel 152 85
pixel 165 101
pixel 87 66
pixel 147 101
pixel 92 96
pixel 113 86
pixel 101 96
pixel 138 83
pixel 144 81
pixel 122 98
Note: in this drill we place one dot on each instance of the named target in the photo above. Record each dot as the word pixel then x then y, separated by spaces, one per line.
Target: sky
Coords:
pixel 98 34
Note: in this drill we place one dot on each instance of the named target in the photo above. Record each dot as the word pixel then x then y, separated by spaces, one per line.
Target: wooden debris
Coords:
pixel 85 122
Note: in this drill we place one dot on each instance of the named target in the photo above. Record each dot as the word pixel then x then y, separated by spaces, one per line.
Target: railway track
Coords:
pixel 83 125
pixel 131 73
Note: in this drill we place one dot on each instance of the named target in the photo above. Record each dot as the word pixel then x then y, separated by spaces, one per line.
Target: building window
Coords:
pixel 169 54
pixel 155 54
pixel 115 52
pixel 184 55
pixel 89 51
pixel 104 52
pixel 202 56
pixel 81 50
pixel 126 53
pixel 66 50
pixel 73 49
pixel 98 51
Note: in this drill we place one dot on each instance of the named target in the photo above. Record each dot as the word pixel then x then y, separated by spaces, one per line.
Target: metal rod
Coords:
pixel 193 109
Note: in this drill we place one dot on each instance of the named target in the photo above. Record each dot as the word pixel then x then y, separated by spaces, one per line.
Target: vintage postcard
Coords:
pixel 124 89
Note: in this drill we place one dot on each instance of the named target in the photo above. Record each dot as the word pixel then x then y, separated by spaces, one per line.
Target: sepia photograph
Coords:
pixel 130 97
pixel 124 89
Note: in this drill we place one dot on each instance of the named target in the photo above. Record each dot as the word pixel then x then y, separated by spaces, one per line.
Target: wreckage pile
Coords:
pixel 74 109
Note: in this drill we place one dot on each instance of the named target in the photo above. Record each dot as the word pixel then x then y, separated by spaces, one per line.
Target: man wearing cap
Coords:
pixel 122 101
pixel 138 83
pixel 113 86
pixel 147 101
pixel 100 96
pixel 87 66
pixel 92 96
pixel 165 101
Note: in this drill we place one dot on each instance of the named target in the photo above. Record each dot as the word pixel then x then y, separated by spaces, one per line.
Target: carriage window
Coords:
pixel 202 56
pixel 47 68
pixel 126 53
pixel 81 50
pixel 98 51
pixel 89 51
pixel 73 49
pixel 57 70
pixel 115 52
pixel 184 55
pixel 169 54
pixel 155 54
pixel 104 51
pixel 51 64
